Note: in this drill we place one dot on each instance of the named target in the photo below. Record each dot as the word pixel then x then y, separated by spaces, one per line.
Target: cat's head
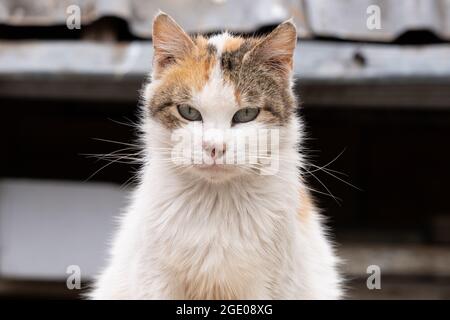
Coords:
pixel 222 106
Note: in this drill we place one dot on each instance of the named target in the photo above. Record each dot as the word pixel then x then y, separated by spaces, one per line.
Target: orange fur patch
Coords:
pixel 306 205
pixel 237 96
pixel 232 44
pixel 193 70
pixel 201 41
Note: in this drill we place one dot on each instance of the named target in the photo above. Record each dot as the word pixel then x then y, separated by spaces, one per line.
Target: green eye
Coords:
pixel 245 115
pixel 189 113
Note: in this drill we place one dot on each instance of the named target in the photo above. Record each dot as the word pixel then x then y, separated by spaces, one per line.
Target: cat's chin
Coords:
pixel 217 173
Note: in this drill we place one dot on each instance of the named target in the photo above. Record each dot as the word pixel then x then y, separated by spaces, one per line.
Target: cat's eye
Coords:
pixel 189 113
pixel 245 115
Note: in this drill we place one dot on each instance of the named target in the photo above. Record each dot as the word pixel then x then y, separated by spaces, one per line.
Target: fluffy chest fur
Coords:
pixel 224 241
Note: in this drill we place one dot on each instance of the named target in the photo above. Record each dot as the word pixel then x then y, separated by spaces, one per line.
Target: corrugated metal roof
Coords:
pixel 345 19
pixel 193 15
pixel 328 73
pixel 314 60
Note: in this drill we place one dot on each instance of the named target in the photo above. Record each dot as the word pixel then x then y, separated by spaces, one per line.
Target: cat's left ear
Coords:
pixel 170 42
pixel 276 50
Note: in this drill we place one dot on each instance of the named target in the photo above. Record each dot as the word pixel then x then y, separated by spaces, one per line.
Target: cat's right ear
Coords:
pixel 170 42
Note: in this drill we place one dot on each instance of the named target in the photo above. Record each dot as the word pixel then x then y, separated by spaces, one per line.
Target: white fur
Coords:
pixel 184 236
pixel 219 41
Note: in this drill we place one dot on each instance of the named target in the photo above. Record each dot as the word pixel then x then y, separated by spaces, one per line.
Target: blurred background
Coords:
pixel 373 78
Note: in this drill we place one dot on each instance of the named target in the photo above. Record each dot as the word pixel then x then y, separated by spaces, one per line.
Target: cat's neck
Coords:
pixel 163 186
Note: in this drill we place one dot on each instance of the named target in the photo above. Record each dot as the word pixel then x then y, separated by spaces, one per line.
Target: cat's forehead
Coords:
pixel 225 42
pixel 213 69
pixel 224 49
pixel 219 84
pixel 220 55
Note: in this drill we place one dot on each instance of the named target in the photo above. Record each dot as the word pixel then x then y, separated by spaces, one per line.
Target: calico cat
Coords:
pixel 216 229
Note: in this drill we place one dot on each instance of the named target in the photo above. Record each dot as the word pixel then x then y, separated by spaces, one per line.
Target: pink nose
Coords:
pixel 215 151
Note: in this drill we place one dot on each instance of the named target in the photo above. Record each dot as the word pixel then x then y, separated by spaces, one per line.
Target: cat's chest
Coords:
pixel 208 234
pixel 205 241
pixel 210 249
pixel 213 222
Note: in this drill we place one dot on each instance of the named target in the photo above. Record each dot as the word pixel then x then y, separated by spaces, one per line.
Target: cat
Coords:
pixel 213 229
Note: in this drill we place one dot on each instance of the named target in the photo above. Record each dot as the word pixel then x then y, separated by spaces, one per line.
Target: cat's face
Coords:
pixel 219 106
